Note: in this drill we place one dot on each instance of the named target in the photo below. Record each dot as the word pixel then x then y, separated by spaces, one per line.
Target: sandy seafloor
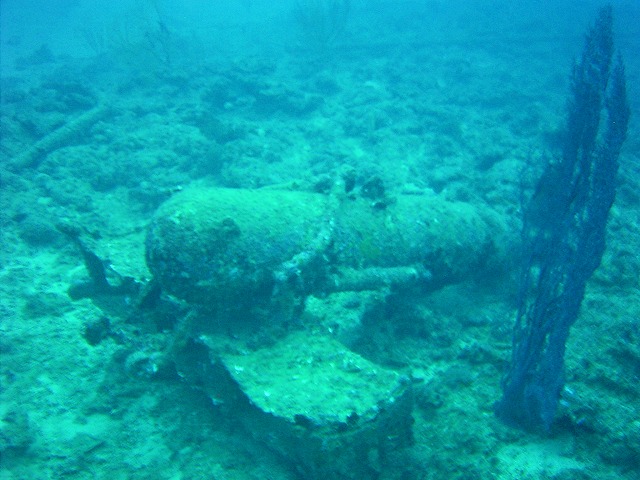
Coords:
pixel 470 105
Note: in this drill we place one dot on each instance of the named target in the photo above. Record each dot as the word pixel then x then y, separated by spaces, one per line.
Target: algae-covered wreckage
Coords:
pixel 248 259
pixel 239 251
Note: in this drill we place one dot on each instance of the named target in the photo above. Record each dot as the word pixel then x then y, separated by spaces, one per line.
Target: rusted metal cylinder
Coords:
pixel 239 247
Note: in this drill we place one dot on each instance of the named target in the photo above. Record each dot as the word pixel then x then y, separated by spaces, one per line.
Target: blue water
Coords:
pixel 246 239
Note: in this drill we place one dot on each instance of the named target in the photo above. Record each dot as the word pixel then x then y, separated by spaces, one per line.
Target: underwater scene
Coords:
pixel 320 239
